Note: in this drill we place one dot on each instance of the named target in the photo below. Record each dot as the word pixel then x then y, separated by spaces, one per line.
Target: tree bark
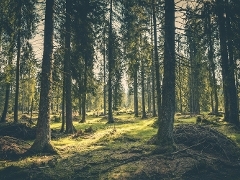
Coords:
pixel 154 113
pixel 84 94
pixel 104 73
pixel 156 63
pixel 229 87
pixel 135 90
pixel 8 85
pixel 149 94
pixel 18 62
pixel 67 63
pixel 232 90
pixel 165 130
pixel 5 110
pixel 211 62
pixel 63 103
pixel 143 91
pixel 110 66
pixel 43 134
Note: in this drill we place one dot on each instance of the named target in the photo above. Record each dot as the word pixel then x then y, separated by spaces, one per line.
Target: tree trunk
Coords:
pixel 232 90
pixel 63 103
pixel 165 130
pixel 156 63
pixel 110 66
pixel 194 105
pixel 143 90
pixel 79 101
pixel 211 62
pixel 135 91
pixel 69 123
pixel 18 63
pixel 57 108
pixel 43 133
pixel 31 110
pixel 149 94
pixel 229 88
pixel 5 110
pixel 224 55
pixel 154 113
pixel 84 94
pixel 8 86
pixel 179 77
pixel 104 74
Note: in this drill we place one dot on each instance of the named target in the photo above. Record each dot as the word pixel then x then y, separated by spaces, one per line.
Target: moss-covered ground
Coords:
pixel 123 150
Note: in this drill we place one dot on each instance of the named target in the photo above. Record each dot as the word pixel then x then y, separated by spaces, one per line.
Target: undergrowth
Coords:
pixel 105 151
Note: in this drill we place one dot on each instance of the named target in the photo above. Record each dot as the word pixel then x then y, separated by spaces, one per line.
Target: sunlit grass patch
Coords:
pixel 230 131
pixel 185 119
pixel 124 171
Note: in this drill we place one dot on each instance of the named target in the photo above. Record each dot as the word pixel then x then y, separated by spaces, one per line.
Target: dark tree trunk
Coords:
pixel 224 55
pixel 156 63
pixel 104 75
pixel 79 101
pixel 149 94
pixel 18 63
pixel 135 91
pixel 195 106
pixel 31 110
pixel 67 63
pixel 110 67
pixel 84 94
pixel 43 134
pixel 179 78
pixel 194 84
pixel 154 113
pixel 5 110
pixel 229 87
pixel 232 90
pixel 143 91
pixel 165 130
pixel 180 88
pixel 57 108
pixel 28 98
pixel 63 103
pixel 211 62
pixel 8 86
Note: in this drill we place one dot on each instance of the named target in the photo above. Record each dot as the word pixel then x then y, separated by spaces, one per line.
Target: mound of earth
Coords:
pixel 11 147
pixel 19 130
pixel 202 153
pixel 205 139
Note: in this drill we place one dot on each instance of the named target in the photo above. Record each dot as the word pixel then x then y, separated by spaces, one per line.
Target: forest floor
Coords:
pixel 124 150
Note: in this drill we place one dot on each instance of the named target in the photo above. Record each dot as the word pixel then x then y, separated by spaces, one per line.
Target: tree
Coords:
pixel 85 27
pixel 110 64
pixel 166 118
pixel 8 37
pixel 195 65
pixel 209 31
pixel 43 135
pixel 154 114
pixel 8 82
pixel 156 61
pixel 229 88
pixel 25 25
pixel 67 68
pixel 134 22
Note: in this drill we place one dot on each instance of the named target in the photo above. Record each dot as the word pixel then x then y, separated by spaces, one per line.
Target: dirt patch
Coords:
pixel 11 148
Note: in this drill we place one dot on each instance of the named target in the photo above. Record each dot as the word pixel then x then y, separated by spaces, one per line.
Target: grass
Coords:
pixel 105 149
